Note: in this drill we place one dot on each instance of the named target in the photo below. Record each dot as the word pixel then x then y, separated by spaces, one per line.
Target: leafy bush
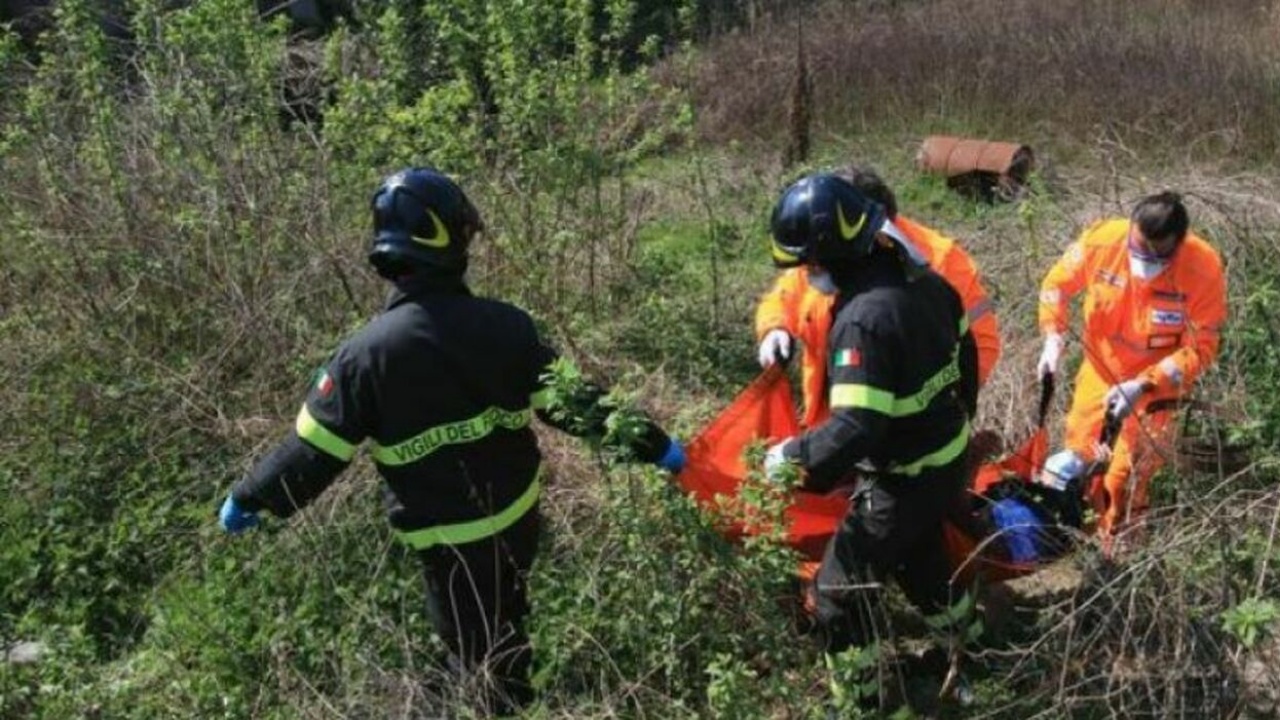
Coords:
pixel 1251 620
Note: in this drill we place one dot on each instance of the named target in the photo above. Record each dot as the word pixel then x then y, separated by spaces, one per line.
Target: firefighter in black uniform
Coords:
pixel 444 384
pixel 903 382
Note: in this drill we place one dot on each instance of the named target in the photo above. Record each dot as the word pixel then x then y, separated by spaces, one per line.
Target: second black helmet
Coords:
pixel 823 219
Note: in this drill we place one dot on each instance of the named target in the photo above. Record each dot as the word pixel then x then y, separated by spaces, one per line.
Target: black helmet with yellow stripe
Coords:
pixel 824 220
pixel 421 218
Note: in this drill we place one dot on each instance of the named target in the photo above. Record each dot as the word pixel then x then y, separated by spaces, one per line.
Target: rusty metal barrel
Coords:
pixel 992 170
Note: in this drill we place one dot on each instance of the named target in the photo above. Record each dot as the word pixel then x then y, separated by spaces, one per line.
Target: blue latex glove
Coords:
pixel 673 460
pixel 235 519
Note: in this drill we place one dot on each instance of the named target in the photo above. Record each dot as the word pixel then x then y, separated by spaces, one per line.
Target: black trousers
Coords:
pixel 477 601
pixel 893 530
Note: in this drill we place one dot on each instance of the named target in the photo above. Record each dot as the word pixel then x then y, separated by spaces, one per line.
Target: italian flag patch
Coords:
pixel 848 358
pixel 324 385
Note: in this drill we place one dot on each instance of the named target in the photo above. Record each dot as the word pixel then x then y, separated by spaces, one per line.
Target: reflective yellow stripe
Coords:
pixel 472 530
pixel 850 395
pixel 937 458
pixel 540 399
pixel 861 396
pixel 455 433
pixel 964 325
pixel 309 429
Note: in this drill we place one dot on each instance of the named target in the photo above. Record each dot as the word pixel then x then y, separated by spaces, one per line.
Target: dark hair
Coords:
pixel 1161 216
pixel 869 183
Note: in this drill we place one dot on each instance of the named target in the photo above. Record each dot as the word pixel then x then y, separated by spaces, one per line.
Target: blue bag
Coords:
pixel 1020 526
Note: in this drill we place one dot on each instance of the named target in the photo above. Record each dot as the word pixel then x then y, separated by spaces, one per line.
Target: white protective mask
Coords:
pixel 1145 267
pixel 821 281
pixel 1144 263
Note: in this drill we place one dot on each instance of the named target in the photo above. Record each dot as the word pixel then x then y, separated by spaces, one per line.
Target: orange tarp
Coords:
pixel 764 411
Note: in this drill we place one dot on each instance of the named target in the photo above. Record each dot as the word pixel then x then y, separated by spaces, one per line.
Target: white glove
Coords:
pixel 1121 399
pixel 775 461
pixel 1050 355
pixel 775 346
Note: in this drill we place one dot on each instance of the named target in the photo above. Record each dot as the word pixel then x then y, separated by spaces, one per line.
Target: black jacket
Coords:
pixel 903 377
pixel 444 384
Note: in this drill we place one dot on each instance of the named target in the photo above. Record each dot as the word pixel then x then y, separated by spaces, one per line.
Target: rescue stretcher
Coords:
pixel 765 412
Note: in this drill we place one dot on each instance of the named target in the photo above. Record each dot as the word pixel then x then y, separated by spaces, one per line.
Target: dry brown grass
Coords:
pixel 1194 76
pixel 1142 638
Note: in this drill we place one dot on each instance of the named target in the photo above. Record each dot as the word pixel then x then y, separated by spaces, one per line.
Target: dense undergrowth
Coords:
pixel 179 253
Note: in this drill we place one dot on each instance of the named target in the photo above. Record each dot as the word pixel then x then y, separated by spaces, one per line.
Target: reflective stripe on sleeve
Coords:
pixel 851 395
pixel 937 458
pixel 310 430
pixel 454 433
pixel 472 530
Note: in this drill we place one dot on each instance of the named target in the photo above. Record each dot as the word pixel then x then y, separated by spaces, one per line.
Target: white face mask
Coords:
pixel 1144 262
pixel 1146 267
pixel 821 281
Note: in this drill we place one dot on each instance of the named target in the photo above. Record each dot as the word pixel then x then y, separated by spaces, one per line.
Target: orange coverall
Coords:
pixel 792 305
pixel 1164 330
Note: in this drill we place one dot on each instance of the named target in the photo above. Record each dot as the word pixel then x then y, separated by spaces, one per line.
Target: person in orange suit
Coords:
pixel 793 309
pixel 1154 304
